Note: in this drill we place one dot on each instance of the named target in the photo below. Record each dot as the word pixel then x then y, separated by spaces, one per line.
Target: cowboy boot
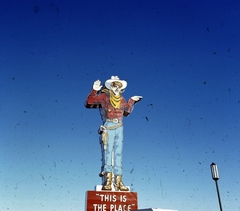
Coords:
pixel 107 181
pixel 118 184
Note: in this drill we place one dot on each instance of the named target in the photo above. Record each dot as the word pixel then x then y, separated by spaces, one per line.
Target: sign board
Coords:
pixel 111 201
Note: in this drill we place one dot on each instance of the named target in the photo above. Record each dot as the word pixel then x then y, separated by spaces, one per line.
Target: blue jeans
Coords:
pixel 112 156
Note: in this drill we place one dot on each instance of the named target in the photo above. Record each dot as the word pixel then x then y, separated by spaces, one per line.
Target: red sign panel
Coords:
pixel 111 201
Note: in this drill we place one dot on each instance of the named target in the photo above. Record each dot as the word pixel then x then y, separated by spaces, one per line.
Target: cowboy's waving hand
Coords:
pixel 97 85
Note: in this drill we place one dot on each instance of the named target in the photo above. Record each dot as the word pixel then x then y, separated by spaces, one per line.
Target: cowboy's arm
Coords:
pixel 130 105
pixel 93 98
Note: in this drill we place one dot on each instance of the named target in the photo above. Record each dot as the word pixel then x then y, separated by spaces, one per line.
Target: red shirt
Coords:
pixel 108 111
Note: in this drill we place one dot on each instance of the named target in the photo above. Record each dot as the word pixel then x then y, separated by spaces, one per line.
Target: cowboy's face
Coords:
pixel 116 89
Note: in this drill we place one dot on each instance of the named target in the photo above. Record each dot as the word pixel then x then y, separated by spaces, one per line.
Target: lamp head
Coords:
pixel 214 170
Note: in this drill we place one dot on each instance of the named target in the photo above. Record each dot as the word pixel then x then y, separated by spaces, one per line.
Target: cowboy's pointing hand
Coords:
pixel 97 85
pixel 136 98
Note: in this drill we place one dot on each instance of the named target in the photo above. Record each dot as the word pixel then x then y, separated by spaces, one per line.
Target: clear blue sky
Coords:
pixel 181 56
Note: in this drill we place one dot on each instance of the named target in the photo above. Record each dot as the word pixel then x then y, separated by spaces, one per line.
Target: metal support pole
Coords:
pixel 219 199
pixel 215 177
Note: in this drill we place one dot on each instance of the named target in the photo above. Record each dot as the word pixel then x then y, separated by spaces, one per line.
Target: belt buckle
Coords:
pixel 115 120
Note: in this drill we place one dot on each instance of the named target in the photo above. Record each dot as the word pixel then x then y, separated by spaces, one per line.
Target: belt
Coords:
pixel 114 120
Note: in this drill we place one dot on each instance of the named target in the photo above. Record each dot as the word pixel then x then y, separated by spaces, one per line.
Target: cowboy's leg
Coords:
pixel 118 146
pixel 108 151
pixel 118 183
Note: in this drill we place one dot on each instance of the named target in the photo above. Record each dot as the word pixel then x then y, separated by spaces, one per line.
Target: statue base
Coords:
pixel 111 201
pixel 99 188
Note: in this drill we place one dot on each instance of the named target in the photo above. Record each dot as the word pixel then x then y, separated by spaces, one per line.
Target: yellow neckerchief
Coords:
pixel 114 100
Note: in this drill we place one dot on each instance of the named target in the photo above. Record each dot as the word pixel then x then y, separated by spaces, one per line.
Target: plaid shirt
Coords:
pixel 95 100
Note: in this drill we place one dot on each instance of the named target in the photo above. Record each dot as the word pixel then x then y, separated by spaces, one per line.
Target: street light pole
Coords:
pixel 215 177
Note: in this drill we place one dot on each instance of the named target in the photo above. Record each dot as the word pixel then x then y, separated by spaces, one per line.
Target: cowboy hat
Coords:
pixel 113 79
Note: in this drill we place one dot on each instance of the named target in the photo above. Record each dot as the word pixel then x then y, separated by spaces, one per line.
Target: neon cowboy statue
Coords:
pixel 112 107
